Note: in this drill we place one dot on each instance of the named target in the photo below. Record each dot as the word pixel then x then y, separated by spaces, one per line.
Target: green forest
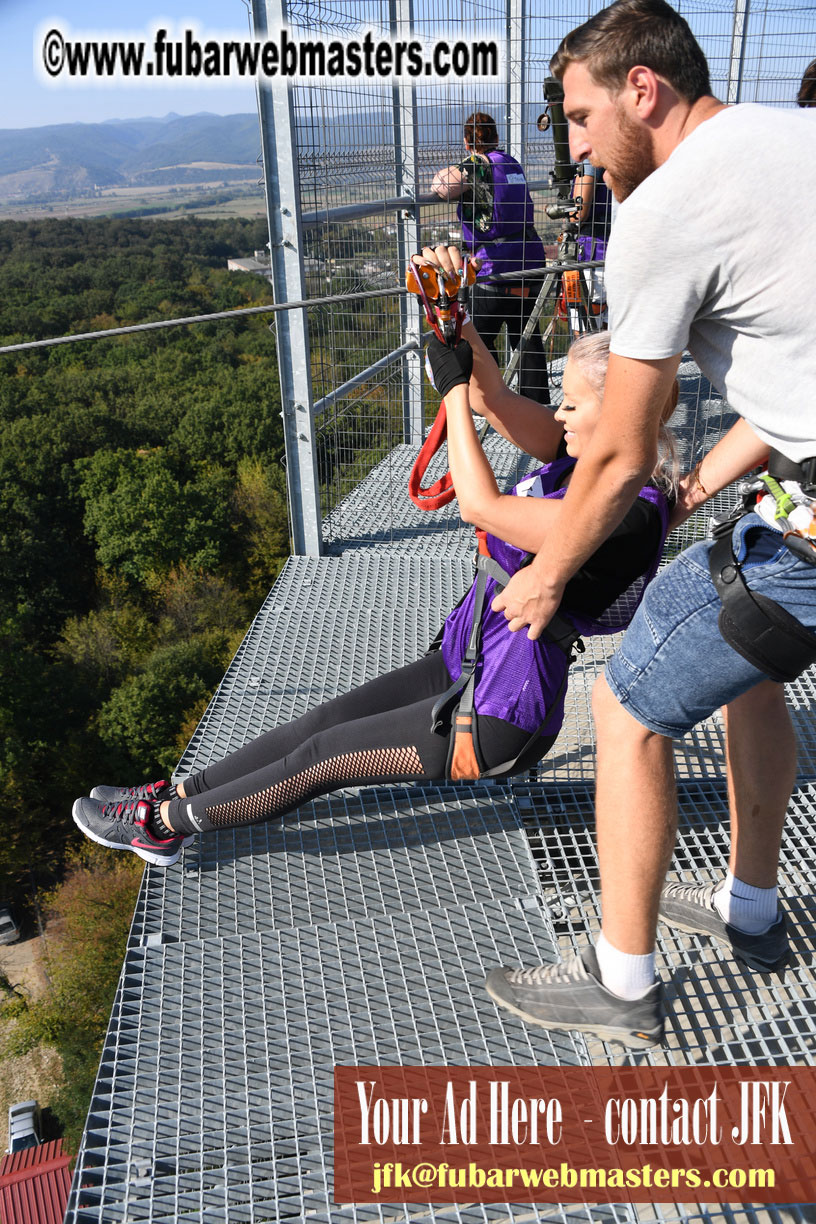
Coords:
pixel 143 514
pixel 143 520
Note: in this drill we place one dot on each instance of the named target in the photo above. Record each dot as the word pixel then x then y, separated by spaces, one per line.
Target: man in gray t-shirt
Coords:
pixel 691 263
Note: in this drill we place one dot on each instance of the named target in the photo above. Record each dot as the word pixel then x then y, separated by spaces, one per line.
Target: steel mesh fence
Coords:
pixel 365 146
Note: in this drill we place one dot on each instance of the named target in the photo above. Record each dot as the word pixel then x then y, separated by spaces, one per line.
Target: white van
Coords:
pixel 24 1126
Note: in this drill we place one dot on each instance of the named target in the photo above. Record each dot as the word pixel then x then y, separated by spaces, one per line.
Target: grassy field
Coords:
pixel 196 200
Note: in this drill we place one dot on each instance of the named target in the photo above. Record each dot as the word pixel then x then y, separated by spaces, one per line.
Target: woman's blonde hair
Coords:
pixel 591 354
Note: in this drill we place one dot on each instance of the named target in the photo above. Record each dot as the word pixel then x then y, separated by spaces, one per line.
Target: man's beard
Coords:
pixel 633 159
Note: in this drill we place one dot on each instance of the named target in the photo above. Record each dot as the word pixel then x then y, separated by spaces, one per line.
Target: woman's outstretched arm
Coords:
pixel 523 521
pixel 449 183
pixel 528 425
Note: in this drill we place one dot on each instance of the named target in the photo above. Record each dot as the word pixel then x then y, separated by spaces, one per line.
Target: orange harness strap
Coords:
pixel 464 766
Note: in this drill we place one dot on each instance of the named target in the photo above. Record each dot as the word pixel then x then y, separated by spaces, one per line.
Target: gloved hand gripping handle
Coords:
pixel 445 314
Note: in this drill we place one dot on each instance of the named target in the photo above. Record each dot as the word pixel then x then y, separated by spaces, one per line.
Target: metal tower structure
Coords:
pixel 359 929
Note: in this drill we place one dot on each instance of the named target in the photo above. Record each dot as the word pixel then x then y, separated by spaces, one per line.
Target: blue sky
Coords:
pixel 26 102
pixel 782 39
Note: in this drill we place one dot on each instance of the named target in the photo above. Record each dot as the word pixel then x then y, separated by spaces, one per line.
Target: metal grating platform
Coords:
pixel 394 851
pixel 360 928
pixel 717 1012
pixel 240 1127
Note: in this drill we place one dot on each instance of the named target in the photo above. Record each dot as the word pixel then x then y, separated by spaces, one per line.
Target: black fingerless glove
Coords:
pixel 450 367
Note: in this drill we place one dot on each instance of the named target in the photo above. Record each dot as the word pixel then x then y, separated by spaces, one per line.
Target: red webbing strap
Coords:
pixel 441 491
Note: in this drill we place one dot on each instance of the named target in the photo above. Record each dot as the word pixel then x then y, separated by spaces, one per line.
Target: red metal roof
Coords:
pixel 34 1185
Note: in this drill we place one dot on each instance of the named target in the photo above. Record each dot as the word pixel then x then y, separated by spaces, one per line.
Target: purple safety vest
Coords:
pixel 590 248
pixel 592 242
pixel 517 679
pixel 511 243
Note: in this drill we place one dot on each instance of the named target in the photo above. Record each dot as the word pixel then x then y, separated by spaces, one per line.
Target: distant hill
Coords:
pixel 71 159
pixel 74 157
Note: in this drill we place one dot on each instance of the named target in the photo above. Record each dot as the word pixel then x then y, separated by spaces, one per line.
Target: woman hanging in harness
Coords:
pixel 402 727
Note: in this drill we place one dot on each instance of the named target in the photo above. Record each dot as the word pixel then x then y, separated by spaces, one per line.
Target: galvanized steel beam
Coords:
pixel 282 187
pixel 406 169
pixel 737 63
pixel 516 86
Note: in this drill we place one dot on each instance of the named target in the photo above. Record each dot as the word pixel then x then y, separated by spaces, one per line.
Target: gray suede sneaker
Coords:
pixel 690 908
pixel 570 997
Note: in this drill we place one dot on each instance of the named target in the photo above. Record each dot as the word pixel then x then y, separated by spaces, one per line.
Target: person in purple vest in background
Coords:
pixel 496 213
pixel 594 217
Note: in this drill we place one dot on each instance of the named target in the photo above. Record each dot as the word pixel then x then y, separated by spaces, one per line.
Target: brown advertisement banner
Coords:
pixel 575 1134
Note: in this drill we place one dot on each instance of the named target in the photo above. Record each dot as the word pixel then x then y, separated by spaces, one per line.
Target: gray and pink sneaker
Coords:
pixel 153 792
pixel 126 826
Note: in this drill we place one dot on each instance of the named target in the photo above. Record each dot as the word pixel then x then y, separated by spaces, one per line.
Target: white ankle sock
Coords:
pixel 625 975
pixel 747 908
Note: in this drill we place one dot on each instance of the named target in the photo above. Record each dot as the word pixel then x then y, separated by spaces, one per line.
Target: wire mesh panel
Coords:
pixel 360 147
pixel 366 158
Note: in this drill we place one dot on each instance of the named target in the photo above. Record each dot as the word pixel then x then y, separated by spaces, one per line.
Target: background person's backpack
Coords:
pixel 477 199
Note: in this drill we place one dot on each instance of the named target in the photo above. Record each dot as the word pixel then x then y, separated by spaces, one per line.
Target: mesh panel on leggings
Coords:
pixel 350 768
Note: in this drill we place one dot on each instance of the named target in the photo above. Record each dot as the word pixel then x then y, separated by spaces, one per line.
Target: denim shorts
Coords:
pixel 673 667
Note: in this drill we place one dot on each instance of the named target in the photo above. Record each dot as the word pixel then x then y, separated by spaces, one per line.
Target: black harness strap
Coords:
pixel 455 708
pixel 755 626
pixel 782 468
pixel 441 714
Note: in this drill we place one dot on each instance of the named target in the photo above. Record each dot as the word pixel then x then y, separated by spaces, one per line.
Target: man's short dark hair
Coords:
pixel 630 32
pixel 807 90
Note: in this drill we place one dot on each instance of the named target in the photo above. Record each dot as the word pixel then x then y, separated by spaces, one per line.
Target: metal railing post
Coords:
pixel 737 63
pixel 516 86
pixel 404 105
pixel 282 188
